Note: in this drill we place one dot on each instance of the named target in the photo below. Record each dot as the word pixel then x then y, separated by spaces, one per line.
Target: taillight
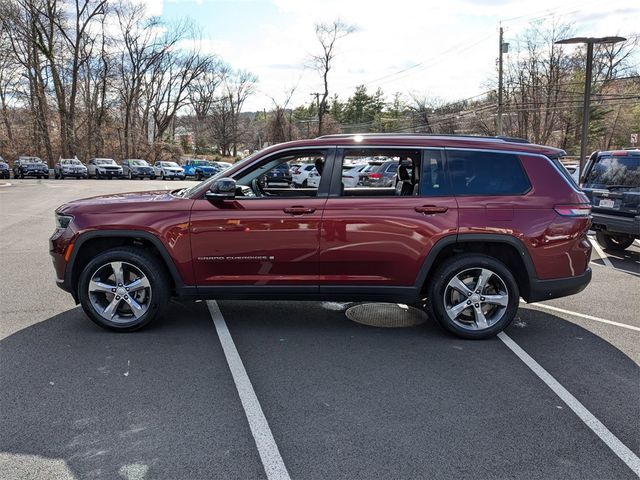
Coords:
pixel 375 175
pixel 578 210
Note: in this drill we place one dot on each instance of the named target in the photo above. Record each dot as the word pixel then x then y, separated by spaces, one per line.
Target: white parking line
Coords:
pixel 272 461
pixel 619 448
pixel 601 253
pixel 582 315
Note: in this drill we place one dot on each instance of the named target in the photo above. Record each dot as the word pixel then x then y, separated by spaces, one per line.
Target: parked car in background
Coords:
pixel 379 173
pixel 438 239
pixel 200 169
pixel 279 176
pixel 70 167
pixel 104 168
pixel 300 173
pixel 351 174
pixel 223 165
pixel 313 179
pixel 4 169
pixel 137 168
pixel 168 170
pixel 574 171
pixel 26 166
pixel 612 183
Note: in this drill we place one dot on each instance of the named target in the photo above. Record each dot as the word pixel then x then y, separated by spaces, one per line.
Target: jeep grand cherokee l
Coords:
pixel 471 225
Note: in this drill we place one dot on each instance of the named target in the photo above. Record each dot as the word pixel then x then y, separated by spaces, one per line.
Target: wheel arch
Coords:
pixel 509 250
pixel 88 244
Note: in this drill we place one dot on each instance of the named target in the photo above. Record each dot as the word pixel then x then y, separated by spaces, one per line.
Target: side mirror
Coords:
pixel 222 189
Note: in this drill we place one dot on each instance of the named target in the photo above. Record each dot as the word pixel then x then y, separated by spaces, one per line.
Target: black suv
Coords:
pixel 30 167
pixel 612 182
pixel 4 168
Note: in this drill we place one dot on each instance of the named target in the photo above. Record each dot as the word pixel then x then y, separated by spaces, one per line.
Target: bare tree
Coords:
pixel 236 88
pixel 328 34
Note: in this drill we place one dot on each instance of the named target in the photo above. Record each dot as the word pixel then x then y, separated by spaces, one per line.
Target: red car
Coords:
pixel 470 225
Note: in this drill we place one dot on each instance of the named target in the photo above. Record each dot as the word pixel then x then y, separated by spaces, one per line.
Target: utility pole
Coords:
pixel 500 87
pixel 586 103
pixel 317 95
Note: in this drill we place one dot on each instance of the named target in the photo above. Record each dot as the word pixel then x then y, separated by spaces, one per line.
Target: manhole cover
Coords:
pixel 388 315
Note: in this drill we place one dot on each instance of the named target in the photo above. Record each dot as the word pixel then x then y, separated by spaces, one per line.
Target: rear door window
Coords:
pixel 486 173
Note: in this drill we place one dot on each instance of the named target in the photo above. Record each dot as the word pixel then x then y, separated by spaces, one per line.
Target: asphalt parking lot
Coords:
pixel 310 394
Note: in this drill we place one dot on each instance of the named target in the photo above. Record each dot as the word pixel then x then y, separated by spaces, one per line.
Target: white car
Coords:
pixel 313 178
pixel 104 168
pixel 170 170
pixel 351 174
pixel 224 165
pixel 300 174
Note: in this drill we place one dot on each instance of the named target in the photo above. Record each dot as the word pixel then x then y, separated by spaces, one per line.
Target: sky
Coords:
pixel 445 49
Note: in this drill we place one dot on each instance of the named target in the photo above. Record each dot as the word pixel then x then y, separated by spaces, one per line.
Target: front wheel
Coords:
pixel 614 242
pixel 473 296
pixel 123 289
pixel 199 176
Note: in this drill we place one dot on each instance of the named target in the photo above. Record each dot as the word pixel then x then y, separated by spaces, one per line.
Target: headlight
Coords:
pixel 63 221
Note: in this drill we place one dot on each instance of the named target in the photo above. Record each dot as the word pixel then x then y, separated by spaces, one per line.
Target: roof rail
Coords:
pixel 405 134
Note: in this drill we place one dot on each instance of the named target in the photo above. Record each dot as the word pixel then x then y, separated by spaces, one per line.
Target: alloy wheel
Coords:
pixel 120 292
pixel 476 298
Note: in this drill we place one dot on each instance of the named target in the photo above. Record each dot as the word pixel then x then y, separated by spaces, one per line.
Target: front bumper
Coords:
pixel 110 174
pixel 616 223
pixel 35 173
pixel 540 290
pixel 75 174
pixel 174 174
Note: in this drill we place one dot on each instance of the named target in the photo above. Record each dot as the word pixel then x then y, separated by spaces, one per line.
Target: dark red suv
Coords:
pixel 470 225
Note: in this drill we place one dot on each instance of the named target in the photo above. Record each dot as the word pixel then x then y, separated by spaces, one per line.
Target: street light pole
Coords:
pixel 586 106
pixel 590 42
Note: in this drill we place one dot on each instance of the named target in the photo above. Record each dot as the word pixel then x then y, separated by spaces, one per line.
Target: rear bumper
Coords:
pixel 540 290
pixel 616 223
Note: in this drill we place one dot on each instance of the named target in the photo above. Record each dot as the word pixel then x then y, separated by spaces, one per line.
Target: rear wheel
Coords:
pixel 123 289
pixel 611 241
pixel 473 296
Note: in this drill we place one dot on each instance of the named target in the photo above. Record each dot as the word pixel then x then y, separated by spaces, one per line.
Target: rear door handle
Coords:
pixel 298 210
pixel 431 209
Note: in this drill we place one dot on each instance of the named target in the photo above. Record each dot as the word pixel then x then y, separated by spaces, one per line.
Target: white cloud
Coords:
pixel 454 42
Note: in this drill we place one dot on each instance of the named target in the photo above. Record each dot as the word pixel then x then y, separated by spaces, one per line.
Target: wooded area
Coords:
pixel 102 78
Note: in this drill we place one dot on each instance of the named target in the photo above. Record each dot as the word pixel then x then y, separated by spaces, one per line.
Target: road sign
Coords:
pixel 634 138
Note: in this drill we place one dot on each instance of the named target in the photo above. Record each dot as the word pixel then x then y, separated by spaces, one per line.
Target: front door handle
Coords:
pixel 431 209
pixel 298 210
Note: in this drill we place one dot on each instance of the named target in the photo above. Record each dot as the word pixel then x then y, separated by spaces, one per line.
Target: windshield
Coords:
pixel 71 161
pixel 105 161
pixel 620 171
pixel 31 160
pixel 169 164
pixel 139 163
pixel 204 163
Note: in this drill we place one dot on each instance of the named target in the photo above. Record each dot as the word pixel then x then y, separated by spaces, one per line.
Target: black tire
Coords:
pixel 130 175
pixel 148 264
pixel 152 177
pixel 199 176
pixel 455 265
pixel 305 184
pixel 614 242
pixel 61 176
pixel 162 176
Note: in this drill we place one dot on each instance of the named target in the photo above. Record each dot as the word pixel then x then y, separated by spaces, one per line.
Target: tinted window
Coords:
pixel 486 173
pixel 432 179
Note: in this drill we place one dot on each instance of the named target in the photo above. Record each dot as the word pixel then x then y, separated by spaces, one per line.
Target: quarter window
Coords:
pixel 486 173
